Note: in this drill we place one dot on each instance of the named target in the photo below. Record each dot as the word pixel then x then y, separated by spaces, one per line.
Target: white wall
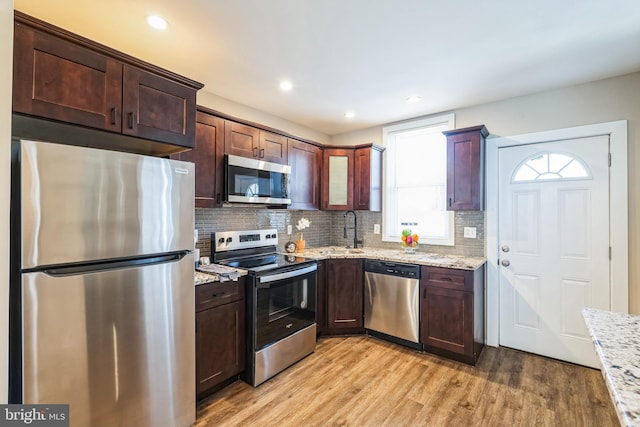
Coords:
pixel 596 102
pixel 223 105
pixel 6 71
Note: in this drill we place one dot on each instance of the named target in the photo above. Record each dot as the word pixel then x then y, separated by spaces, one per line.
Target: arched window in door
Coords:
pixel 551 166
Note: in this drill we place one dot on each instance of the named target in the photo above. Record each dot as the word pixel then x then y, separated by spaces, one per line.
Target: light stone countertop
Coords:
pixel 392 255
pixel 202 277
pixel 333 252
pixel 616 337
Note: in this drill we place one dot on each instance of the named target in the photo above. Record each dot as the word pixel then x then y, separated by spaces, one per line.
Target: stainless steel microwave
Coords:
pixel 256 181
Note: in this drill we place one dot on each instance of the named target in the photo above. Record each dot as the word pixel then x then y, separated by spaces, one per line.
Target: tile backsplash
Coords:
pixel 249 218
pixel 327 228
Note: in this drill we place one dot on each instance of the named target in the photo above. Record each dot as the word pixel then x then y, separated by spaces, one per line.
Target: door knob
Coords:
pixel 505 248
pixel 505 263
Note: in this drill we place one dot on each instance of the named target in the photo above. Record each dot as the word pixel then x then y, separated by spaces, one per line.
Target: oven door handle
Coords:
pixel 265 280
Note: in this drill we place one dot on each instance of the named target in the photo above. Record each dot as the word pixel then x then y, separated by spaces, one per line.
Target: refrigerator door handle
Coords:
pixel 84 268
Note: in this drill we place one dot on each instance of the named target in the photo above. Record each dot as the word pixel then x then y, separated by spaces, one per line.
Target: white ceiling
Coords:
pixel 367 56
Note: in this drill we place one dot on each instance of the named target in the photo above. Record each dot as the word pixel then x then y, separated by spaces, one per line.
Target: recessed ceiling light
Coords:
pixel 349 114
pixel 157 22
pixel 286 86
pixel 414 98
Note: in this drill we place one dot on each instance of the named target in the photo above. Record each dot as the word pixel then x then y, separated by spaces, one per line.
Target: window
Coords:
pixel 415 181
pixel 547 166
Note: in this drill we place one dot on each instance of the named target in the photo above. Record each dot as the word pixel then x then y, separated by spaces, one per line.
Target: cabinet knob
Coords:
pixel 262 153
pixel 255 151
pixel 505 263
pixel 505 248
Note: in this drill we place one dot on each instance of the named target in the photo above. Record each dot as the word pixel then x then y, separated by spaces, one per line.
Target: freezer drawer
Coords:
pixel 80 204
pixel 117 345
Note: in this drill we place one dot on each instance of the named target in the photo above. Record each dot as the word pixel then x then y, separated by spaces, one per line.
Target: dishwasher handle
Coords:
pixel 367 280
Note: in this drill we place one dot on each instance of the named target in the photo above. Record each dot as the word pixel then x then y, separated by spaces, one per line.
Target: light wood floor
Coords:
pixel 363 381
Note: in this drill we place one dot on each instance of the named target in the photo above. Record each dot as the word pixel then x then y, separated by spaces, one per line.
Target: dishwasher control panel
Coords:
pixel 392 268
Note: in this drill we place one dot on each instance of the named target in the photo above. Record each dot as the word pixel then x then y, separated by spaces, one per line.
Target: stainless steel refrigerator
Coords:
pixel 102 293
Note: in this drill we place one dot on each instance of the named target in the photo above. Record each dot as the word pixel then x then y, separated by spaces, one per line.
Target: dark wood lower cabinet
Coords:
pixel 321 299
pixel 344 304
pixel 451 306
pixel 452 312
pixel 220 334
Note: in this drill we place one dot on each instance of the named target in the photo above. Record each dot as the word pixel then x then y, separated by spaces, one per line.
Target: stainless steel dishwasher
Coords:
pixel 391 300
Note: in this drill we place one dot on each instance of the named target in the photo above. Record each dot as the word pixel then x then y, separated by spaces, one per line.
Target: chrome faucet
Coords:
pixel 355 229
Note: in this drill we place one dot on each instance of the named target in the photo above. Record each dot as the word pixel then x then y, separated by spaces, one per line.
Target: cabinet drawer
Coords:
pixel 215 294
pixel 448 278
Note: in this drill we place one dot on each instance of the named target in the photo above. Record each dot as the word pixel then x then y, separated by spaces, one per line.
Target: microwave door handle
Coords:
pixel 265 280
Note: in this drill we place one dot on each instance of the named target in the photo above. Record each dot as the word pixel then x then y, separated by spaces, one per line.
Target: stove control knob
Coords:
pixel 221 240
pixel 274 235
pixel 268 236
pixel 229 240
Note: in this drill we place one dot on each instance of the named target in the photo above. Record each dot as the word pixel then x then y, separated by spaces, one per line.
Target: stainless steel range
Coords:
pixel 281 300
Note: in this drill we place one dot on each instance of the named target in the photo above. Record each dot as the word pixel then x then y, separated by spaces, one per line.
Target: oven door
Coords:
pixel 285 303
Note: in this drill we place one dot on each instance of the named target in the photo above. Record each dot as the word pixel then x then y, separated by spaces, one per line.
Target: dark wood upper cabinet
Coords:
pixel 58 75
pixel 305 161
pixel 452 312
pixel 273 148
pixel 352 178
pixel 59 80
pixel 344 304
pixel 465 168
pixel 337 179
pixel 208 156
pixel 368 179
pixel 248 141
pixel 241 140
pixel 156 108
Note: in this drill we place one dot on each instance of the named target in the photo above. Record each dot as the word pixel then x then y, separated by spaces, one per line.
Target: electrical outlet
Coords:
pixel 376 228
pixel 289 229
pixel 470 232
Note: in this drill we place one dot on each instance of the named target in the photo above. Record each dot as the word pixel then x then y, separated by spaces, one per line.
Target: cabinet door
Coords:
pixel 157 108
pixel 59 80
pixel 208 156
pixel 241 140
pixel 344 294
pixel 368 179
pixel 447 319
pixel 220 344
pixel 305 160
pixel 321 300
pixel 337 179
pixel 273 148
pixel 465 168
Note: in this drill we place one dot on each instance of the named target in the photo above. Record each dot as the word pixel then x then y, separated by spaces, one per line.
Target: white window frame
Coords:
pixel 387 135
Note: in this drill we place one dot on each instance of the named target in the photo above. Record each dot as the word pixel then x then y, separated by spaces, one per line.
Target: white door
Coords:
pixel 554 245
